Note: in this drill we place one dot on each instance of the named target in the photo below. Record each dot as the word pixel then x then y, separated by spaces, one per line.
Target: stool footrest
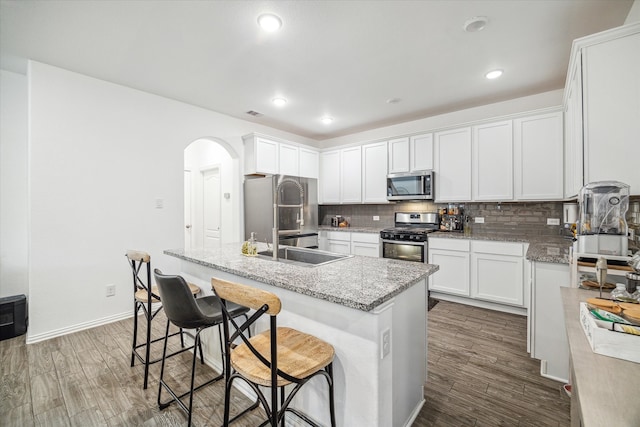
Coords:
pixel 177 398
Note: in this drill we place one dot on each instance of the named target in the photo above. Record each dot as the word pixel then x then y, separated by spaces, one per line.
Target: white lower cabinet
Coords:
pixel 452 255
pixel 336 241
pixel 365 244
pixel 497 272
pixel 547 335
pixel 348 243
pixel 480 271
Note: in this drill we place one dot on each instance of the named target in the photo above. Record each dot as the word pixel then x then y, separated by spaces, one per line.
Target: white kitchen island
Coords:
pixel 352 304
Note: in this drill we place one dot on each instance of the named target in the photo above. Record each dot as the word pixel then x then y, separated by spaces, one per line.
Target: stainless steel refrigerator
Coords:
pixel 296 201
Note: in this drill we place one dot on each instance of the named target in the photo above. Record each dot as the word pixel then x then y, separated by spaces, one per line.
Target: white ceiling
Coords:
pixel 341 58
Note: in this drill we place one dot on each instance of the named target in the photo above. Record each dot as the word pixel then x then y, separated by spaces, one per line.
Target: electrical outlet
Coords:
pixel 479 220
pixel 111 290
pixel 376 218
pixel 385 341
pixel 553 221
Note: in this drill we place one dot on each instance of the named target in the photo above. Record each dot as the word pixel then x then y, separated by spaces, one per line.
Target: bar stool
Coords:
pixel 144 296
pixel 274 358
pixel 188 313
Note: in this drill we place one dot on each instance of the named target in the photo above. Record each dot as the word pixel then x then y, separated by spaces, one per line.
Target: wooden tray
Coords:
pixel 591 284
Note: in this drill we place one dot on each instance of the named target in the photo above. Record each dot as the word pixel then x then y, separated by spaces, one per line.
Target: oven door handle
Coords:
pixel 402 242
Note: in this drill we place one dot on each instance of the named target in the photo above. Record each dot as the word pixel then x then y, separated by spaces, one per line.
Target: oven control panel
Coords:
pixel 402 236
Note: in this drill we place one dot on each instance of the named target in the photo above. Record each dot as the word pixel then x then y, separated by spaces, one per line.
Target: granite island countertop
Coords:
pixel 552 249
pixel 357 282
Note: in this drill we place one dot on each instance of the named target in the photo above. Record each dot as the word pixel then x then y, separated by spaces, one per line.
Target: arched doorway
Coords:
pixel 212 205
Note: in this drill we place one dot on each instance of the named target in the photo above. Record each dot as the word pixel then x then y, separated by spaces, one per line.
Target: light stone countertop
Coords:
pixel 358 282
pixel 373 230
pixel 605 389
pixel 552 249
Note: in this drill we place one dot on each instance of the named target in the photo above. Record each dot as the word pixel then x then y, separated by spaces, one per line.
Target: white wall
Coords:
pixel 100 154
pixel 14 279
pixel 514 106
pixel 634 13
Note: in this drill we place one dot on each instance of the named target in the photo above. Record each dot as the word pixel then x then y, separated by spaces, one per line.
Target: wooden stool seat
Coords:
pixel 273 359
pixel 142 294
pixel 299 355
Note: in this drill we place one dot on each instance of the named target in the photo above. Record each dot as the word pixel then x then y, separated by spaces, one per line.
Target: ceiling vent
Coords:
pixel 254 113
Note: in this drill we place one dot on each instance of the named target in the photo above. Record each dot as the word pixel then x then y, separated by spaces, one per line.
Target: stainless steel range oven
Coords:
pixel 407 241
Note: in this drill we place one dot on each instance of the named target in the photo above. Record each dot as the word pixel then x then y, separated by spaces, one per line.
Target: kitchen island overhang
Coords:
pixel 372 310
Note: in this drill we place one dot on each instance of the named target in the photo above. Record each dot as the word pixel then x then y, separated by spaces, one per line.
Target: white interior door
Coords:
pixel 211 208
pixel 188 221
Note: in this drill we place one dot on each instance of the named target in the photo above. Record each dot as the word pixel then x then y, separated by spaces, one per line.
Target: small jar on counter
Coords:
pixel 620 292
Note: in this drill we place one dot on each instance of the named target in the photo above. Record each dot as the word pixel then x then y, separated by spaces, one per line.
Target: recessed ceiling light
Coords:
pixel 279 102
pixel 327 120
pixel 475 24
pixel 493 74
pixel 269 22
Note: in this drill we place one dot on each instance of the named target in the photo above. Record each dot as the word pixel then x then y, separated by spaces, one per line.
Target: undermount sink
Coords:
pixel 303 256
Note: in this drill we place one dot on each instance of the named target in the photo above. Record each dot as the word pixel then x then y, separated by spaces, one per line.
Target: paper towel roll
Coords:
pixel 569 213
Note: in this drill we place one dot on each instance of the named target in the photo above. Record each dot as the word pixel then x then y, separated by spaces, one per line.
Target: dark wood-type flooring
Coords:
pixel 479 375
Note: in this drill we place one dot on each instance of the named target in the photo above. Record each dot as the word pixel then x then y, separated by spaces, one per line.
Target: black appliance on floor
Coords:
pixel 13 316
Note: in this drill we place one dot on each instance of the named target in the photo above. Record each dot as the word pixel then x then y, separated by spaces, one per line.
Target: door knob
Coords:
pixel 187 226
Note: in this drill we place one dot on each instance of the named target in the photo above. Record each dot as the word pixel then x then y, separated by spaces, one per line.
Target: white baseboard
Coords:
pixel 521 311
pixel 415 413
pixel 543 373
pixel 76 328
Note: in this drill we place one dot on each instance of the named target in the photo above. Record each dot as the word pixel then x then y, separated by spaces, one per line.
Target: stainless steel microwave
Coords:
pixel 417 185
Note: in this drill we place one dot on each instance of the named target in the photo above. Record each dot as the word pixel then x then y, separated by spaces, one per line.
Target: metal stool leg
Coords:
pixel 135 332
pixel 147 349
pixel 332 408
pixel 161 382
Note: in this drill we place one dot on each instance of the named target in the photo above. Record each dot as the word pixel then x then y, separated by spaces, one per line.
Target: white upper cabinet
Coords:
pixel 309 163
pixel 288 160
pixel 453 165
pixel 573 149
pixel 421 152
pixel 351 175
pixel 266 156
pixel 374 173
pixel 493 161
pixel 602 109
pixel 539 154
pixel 611 102
pixel 399 155
pixel 330 177
pixel 341 176
pixel 260 155
pixel 411 154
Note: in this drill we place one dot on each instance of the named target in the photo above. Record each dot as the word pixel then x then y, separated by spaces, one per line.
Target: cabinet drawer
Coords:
pixel 339 235
pixel 449 244
pixel 497 248
pixel 365 237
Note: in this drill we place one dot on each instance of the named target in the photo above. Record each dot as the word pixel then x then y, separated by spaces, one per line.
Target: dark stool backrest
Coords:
pixel 178 302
